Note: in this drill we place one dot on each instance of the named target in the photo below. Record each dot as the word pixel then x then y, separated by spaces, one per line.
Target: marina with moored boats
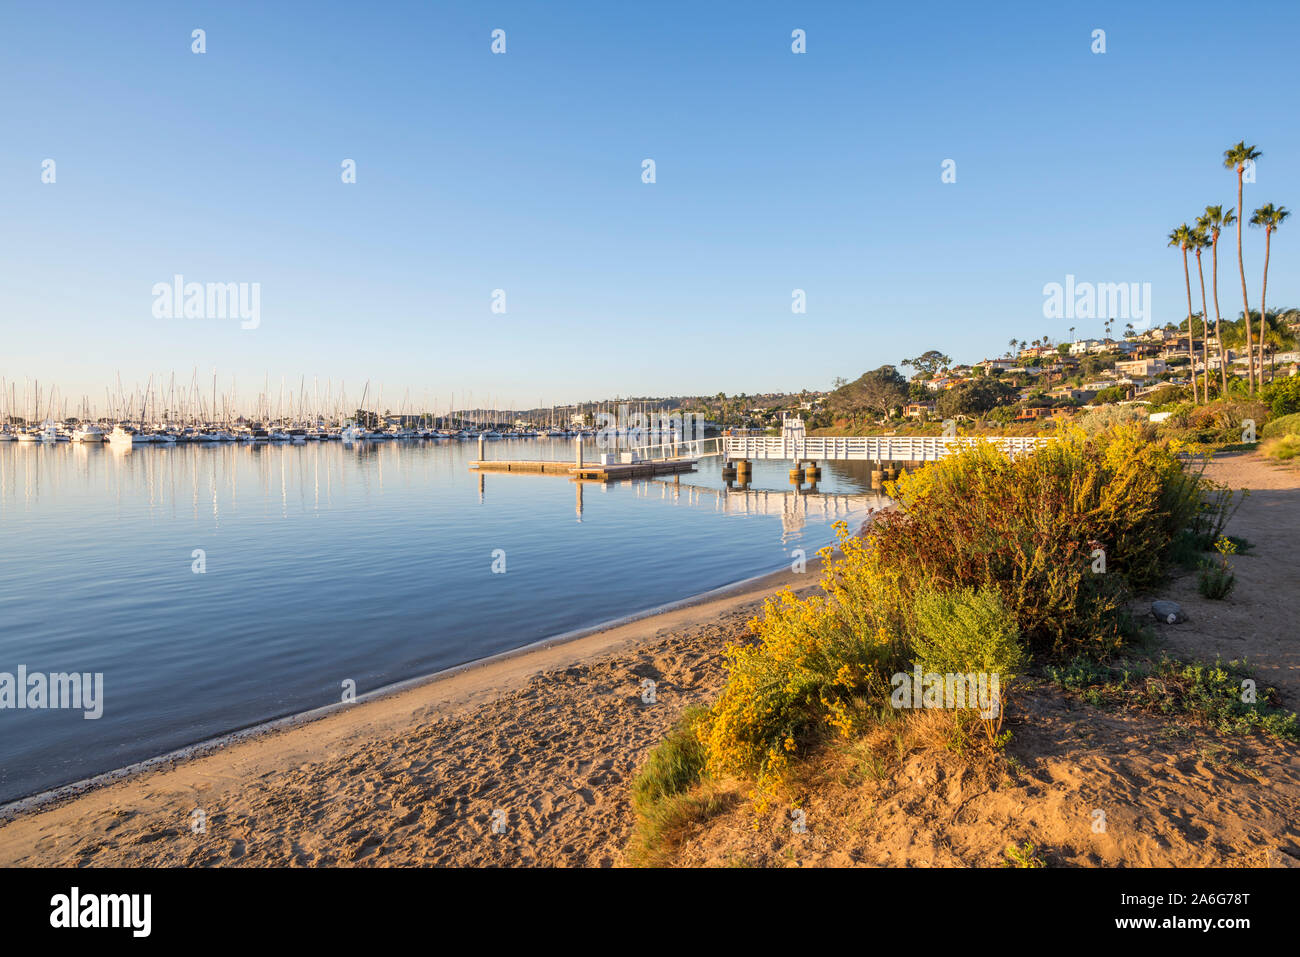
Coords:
pixel 185 416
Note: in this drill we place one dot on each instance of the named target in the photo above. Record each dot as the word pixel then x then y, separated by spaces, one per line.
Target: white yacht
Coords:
pixel 127 435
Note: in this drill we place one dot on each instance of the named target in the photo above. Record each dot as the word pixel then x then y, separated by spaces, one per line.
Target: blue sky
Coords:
pixel 522 172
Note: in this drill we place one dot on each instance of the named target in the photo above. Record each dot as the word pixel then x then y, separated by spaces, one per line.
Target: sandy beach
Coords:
pixel 545 745
pixel 551 737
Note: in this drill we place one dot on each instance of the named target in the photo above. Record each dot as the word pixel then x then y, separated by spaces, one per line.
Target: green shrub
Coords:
pixel 664 825
pixel 1212 694
pixel 1167 398
pixel 1284 447
pixel 1115 393
pixel 967 631
pixel 1097 421
pixel 1022 855
pixel 1028 528
pixel 1215 694
pixel 1283 396
pixel 674 766
pixel 1216 580
pixel 1286 425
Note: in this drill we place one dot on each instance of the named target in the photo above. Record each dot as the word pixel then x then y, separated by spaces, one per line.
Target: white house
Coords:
pixel 1142 368
pixel 1004 365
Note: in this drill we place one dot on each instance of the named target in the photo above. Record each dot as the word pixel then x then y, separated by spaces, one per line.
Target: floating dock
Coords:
pixel 518 465
pixel 609 473
pixel 589 473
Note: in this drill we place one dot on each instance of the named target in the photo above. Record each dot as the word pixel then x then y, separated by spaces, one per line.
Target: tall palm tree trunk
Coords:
pixel 1191 349
pixel 1263 323
pixel 1218 332
pixel 1205 329
pixel 1245 302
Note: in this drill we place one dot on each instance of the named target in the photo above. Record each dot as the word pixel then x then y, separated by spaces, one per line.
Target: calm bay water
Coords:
pixel 327 562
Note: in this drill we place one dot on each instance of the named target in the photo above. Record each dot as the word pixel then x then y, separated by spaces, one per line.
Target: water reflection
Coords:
pixel 325 561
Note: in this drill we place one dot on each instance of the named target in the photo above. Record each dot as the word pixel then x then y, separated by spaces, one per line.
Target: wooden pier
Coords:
pixel 610 473
pixel 519 465
pixel 588 473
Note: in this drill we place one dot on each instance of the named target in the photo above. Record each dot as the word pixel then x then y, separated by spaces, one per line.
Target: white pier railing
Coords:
pixel 868 448
pixel 854 448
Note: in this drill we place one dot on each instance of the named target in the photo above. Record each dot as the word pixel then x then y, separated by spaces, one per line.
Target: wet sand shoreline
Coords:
pixel 145 814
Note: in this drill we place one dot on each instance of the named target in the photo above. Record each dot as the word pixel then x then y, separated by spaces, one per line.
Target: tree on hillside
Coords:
pixel 1277 334
pixel 873 393
pixel 975 398
pixel 929 363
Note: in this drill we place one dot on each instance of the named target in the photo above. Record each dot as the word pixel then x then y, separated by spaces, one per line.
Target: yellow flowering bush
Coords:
pixel 1062 534
pixel 1023 534
pixel 815 665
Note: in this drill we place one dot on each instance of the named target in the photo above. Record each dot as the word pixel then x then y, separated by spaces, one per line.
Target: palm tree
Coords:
pixel 1236 158
pixel 1200 240
pixel 1270 217
pixel 1277 335
pixel 1181 236
pixel 1214 220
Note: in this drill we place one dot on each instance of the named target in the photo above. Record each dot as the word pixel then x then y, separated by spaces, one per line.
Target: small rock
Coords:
pixel 1170 612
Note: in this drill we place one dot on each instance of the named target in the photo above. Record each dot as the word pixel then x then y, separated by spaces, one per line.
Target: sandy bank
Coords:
pixel 550 736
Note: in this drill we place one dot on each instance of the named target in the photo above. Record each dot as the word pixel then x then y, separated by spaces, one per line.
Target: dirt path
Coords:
pixel 1260 620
